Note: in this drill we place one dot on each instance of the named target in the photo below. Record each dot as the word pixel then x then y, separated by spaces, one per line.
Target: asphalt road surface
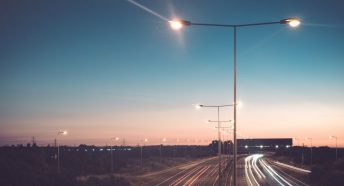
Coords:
pixel 203 172
pixel 257 170
pixel 253 170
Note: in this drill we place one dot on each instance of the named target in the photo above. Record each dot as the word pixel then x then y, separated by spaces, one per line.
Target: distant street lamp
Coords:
pixel 179 24
pixel 219 133
pixel 64 132
pixel 335 137
pixel 144 143
pixel 311 140
pixel 163 141
pixel 111 161
pixel 228 130
pixel 297 140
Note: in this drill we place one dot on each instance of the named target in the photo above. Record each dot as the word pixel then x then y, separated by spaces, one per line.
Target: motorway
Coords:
pixel 201 172
pixel 253 170
pixel 260 171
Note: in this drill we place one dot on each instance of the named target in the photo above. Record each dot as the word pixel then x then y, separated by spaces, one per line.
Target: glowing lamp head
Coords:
pixel 117 138
pixel 239 104
pixel 178 24
pixel 164 139
pixel 331 137
pixel 293 22
pixel 63 132
pixel 198 106
pixel 146 140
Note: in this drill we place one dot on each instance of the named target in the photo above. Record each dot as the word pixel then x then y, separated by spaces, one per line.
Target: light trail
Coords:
pixel 196 176
pixel 148 10
pixel 213 171
pixel 288 177
pixel 255 167
pixel 285 181
pixel 246 173
pixel 171 177
pixel 292 167
pixel 272 175
pixel 248 166
pixel 181 179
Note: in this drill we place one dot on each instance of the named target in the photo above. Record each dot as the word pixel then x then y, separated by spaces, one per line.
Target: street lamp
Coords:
pixel 219 134
pixel 311 140
pixel 297 140
pixel 163 141
pixel 61 132
pixel 335 137
pixel 144 142
pixel 179 24
pixel 111 161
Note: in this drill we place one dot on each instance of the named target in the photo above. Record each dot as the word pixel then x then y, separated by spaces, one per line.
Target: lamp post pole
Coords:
pixel 311 140
pixel 336 138
pixel 144 142
pixel 111 160
pixel 58 149
pixel 163 141
pixel 178 24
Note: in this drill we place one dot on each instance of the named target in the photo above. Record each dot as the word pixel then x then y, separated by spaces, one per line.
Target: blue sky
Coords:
pixel 107 68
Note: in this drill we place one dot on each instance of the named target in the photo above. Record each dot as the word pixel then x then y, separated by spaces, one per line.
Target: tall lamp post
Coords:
pixel 335 137
pixel 61 132
pixel 219 133
pixel 111 161
pixel 179 24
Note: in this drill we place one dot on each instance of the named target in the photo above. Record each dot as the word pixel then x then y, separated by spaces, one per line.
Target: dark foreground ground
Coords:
pixel 185 165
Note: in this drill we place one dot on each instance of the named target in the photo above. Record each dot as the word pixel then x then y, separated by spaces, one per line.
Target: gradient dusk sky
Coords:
pixel 107 68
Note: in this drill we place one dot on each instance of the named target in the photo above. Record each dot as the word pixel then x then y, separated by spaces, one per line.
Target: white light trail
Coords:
pixel 292 167
pixel 285 181
pixel 248 162
pixel 272 175
pixel 148 10
pixel 255 167
pixel 246 172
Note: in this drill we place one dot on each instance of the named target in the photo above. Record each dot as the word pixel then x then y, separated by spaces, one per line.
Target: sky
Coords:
pixel 101 69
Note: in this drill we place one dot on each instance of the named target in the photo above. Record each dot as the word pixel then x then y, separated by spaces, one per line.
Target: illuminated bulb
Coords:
pixel 294 22
pixel 197 106
pixel 176 25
